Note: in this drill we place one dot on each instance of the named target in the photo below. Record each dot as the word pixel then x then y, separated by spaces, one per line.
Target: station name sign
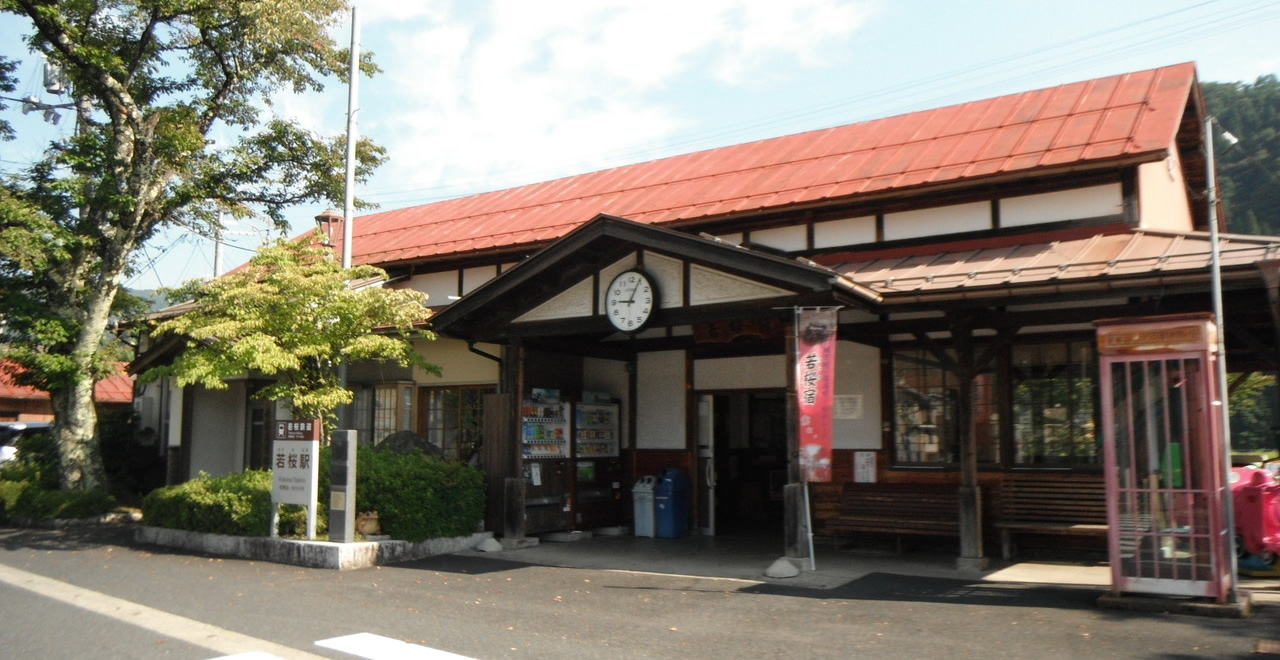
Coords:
pixel 294 453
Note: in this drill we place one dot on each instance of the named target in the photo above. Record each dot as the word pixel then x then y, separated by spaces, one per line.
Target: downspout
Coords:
pixel 471 346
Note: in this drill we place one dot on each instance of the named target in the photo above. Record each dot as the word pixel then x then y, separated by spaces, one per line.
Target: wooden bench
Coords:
pixel 897 509
pixel 1051 503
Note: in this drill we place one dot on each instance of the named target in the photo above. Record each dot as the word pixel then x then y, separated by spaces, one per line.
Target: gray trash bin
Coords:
pixel 642 496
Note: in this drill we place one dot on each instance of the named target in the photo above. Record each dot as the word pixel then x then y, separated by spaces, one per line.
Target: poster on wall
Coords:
pixel 815 389
pixel 864 467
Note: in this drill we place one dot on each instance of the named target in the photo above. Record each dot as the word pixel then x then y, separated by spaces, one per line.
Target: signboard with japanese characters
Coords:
pixel 815 387
pixel 294 469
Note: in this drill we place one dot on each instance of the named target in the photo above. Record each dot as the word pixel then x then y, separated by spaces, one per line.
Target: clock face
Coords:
pixel 630 300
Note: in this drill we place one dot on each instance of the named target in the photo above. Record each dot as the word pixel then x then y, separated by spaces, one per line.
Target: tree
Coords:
pixel 1249 172
pixel 294 313
pixel 153 83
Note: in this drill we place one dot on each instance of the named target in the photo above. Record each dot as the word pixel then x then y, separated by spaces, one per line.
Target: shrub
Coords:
pixel 25 499
pixel 418 497
pixel 10 491
pixel 36 462
pixel 41 504
pixel 237 504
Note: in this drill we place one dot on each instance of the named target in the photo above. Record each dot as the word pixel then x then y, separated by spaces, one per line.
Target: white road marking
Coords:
pixel 219 640
pixel 377 647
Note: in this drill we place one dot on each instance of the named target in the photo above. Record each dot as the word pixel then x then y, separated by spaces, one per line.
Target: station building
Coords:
pixel 969 252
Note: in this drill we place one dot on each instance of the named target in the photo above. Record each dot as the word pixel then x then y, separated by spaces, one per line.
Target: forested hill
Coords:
pixel 1248 172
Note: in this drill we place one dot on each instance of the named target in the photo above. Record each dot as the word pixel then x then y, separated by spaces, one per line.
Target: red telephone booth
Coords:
pixel 1163 446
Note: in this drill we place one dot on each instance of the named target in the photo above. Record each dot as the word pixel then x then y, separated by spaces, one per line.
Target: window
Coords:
pixel 923 409
pixel 377 411
pixel 1054 393
pixel 452 419
pixel 925 422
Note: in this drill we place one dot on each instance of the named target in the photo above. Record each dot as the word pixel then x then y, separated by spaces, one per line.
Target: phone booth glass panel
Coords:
pixel 1164 459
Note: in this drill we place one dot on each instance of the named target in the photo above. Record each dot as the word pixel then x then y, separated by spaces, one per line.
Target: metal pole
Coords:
pixel 1224 413
pixel 353 86
pixel 348 207
pixel 217 248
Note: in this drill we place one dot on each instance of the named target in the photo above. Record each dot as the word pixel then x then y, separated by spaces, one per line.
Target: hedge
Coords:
pixel 416 497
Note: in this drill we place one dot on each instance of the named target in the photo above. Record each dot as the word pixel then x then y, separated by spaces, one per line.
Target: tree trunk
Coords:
pixel 76 434
pixel 75 412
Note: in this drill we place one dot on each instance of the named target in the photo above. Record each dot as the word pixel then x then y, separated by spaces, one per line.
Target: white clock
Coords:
pixel 630 300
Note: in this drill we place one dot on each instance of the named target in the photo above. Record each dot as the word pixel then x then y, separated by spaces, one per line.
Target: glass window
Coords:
pixel 1054 393
pixel 925 422
pixel 386 411
pixel 453 419
pixel 923 409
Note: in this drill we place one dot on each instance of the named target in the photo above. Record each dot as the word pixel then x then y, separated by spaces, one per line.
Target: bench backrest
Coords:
pixel 1054 498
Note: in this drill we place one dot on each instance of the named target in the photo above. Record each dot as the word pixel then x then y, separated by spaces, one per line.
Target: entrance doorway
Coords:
pixel 742 461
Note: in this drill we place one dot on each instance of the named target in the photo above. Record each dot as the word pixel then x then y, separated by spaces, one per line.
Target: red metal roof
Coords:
pixel 116 388
pixel 1125 116
pixel 1080 261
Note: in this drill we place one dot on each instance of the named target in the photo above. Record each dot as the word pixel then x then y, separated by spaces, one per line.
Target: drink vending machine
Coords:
pixel 572 466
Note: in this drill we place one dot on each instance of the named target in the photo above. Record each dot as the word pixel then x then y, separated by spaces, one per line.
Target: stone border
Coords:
pixel 312 554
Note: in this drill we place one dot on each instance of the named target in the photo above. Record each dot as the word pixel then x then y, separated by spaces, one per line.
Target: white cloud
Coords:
pixel 483 95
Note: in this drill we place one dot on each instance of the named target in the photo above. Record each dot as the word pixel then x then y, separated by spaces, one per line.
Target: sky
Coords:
pixel 480 95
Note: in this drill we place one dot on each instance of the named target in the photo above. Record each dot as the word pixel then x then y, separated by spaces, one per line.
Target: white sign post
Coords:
pixel 294 470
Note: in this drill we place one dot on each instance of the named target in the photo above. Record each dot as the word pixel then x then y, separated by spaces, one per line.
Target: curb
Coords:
pixel 311 554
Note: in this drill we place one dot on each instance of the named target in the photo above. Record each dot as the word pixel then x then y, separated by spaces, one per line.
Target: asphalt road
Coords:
pixel 91 593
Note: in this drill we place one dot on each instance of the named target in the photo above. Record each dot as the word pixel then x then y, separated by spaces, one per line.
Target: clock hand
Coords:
pixel 633 293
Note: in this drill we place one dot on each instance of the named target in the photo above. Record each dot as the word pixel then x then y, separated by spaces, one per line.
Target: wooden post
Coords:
pixel 794 526
pixel 972 556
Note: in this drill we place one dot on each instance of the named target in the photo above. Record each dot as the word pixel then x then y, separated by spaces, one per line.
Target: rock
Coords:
pixel 783 568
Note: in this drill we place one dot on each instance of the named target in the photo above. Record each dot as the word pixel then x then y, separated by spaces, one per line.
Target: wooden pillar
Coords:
pixel 513 379
pixel 795 535
pixel 972 556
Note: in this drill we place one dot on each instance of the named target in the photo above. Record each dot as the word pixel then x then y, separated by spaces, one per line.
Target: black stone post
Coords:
pixel 342 487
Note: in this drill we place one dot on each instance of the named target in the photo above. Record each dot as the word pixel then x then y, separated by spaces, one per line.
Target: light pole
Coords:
pixel 1224 413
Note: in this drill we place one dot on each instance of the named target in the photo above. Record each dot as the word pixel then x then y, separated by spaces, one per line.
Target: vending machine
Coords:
pixel 546 447
pixel 597 500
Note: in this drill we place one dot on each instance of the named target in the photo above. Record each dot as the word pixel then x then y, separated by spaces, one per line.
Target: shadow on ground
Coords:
pixel 894 587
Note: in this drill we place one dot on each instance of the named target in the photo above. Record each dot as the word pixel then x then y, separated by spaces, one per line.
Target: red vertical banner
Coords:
pixel 815 389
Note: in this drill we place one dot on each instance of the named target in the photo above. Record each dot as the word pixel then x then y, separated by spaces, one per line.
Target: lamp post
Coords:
pixel 1224 413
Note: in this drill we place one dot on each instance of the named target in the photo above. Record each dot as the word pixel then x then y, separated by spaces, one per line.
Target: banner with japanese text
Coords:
pixel 815 389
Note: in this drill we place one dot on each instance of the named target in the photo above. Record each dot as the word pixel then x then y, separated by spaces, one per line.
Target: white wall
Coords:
pixel 790 239
pixel 459 365
pixel 1162 197
pixel 858 380
pixel 849 231
pixel 954 219
pixel 437 286
pixel 217 430
pixel 661 400
pixel 610 376
pixel 1076 204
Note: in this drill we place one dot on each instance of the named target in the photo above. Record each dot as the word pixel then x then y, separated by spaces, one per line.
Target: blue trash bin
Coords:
pixel 671 504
